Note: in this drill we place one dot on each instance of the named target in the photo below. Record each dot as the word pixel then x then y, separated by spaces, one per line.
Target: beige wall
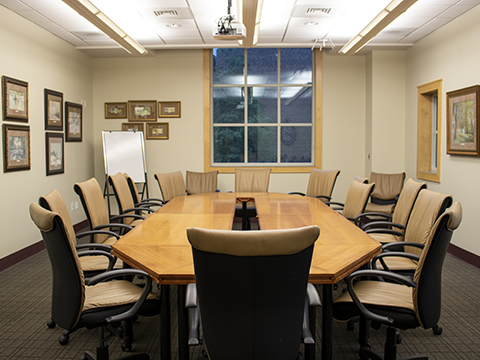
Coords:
pixel 32 54
pixel 451 53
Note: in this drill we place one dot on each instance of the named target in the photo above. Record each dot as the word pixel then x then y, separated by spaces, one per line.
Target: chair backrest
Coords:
pixel 122 194
pixel 361 179
pixel 427 295
pixel 251 288
pixel 252 180
pixel 321 182
pixel 201 182
pixel 68 282
pixel 171 185
pixel 428 207
pixel 53 201
pixel 357 198
pixel 93 203
pixel 406 200
pixel 387 187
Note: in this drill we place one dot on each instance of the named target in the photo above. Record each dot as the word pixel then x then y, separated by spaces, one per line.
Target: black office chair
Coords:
pixel 386 192
pixel 78 302
pixel 406 304
pixel 252 288
pixel 147 202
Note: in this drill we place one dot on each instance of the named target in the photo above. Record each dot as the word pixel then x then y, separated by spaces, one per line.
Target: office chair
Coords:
pixel 361 179
pixel 250 180
pixel 356 200
pixel 428 207
pixel 320 184
pixel 91 303
pixel 91 265
pixel 171 185
pixel 96 211
pixel 150 202
pixel 386 192
pixel 201 182
pixel 251 289
pixel 406 304
pixel 125 202
pixel 398 220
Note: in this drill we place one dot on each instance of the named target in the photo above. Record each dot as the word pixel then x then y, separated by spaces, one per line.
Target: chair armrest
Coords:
pixel 380 257
pixel 385 247
pixel 148 204
pixel 111 259
pixel 138 208
pixel 389 224
pixel 312 296
pixel 369 315
pixel 322 197
pixel 384 231
pixel 191 296
pixel 95 232
pixel 296 193
pixel 339 204
pixel 113 225
pixel 121 273
pixel 94 246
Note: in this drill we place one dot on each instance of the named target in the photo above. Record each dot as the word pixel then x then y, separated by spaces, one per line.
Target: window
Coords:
pixel 262 108
pixel 429 105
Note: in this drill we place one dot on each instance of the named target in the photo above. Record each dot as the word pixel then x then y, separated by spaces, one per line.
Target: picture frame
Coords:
pixel 54 153
pixel 53 110
pixel 169 109
pixel 14 99
pixel 132 127
pixel 463 123
pixel 142 110
pixel 157 131
pixel 116 110
pixel 73 122
pixel 16 147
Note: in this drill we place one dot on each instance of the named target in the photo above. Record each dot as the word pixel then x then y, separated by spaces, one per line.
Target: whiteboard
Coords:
pixel 124 152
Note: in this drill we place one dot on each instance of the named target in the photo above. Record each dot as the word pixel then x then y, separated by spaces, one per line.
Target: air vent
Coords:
pixel 318 11
pixel 166 13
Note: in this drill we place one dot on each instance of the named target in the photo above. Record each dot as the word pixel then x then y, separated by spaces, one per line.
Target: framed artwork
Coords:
pixel 169 109
pixel 53 110
pixel 142 110
pixel 16 147
pixel 116 110
pixel 132 127
pixel 14 99
pixel 54 153
pixel 157 131
pixel 73 122
pixel 463 121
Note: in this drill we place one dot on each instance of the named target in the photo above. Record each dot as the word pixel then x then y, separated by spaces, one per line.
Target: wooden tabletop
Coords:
pixel 160 247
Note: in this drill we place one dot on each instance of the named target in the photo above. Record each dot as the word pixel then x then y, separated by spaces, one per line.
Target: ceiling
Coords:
pixel 283 22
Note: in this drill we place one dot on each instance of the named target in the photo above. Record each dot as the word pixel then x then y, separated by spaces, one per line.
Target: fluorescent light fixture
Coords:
pixel 250 14
pixel 90 12
pixel 381 21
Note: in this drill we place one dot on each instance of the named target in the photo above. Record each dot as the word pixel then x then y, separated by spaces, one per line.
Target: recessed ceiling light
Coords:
pixel 311 23
pixel 174 25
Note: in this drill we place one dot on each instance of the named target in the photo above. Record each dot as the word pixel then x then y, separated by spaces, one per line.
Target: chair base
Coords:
pixel 102 354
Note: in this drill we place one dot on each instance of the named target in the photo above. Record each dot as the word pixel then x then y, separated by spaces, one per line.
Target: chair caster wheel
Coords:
pixel 63 340
pixel 127 347
pixel 51 324
pixel 437 330
pixel 398 336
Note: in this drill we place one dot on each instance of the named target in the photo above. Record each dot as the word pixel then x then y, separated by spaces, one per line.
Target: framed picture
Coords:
pixel 54 153
pixel 15 99
pixel 157 131
pixel 132 127
pixel 116 110
pixel 142 110
pixel 53 110
pixel 16 147
pixel 169 109
pixel 463 121
pixel 73 122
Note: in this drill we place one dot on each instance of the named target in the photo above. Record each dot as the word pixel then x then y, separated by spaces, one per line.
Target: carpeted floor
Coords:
pixel 25 309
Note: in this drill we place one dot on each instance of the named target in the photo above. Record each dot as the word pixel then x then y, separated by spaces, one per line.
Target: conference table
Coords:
pixel 159 246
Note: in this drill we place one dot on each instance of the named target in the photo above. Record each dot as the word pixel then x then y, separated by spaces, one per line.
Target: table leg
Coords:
pixel 327 321
pixel 183 349
pixel 165 344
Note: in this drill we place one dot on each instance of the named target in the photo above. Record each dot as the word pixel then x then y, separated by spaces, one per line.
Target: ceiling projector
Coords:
pixel 228 28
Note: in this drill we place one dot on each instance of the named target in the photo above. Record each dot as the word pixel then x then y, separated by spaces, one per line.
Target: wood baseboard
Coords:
pixel 464 255
pixel 31 250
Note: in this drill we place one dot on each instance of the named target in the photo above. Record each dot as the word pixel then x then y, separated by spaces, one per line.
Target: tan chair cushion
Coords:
pixel 253 243
pixel 112 293
pixel 123 194
pixel 406 200
pixel 384 209
pixel 357 197
pixel 321 182
pixel 95 263
pixel 201 182
pixel 386 238
pixel 171 185
pixel 387 185
pixel 361 179
pixel 252 180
